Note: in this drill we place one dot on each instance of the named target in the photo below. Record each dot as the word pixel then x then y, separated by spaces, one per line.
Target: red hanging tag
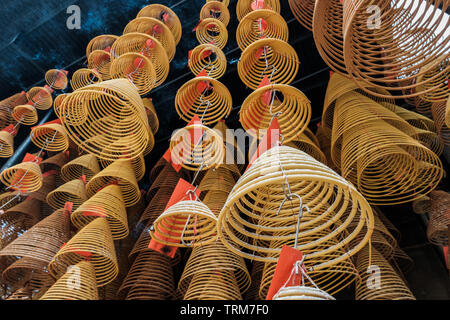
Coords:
pixel 11 129
pixel 68 206
pixel 331 73
pixel 83 178
pixel 262 24
pixel 48 88
pixel 107 49
pixel 259 52
pixel 206 53
pixel 113 182
pixel 202 73
pixel 257 4
pixel 31 158
pixel 195 133
pixel 189 54
pixel 446 256
pixel 157 29
pixel 85 254
pixel 288 257
pixel 62 246
pixel 195 28
pixel 270 140
pixel 165 16
pixel 203 85
pixel 168 157
pixel 150 43
pixel 139 63
pixel 95 212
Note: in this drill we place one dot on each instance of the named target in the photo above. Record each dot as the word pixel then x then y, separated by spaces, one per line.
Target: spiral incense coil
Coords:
pixel 9 199
pixel 212 31
pixel 117 129
pixel 56 79
pixel 48 185
pixel 421 205
pixel 57 103
pixel 168 178
pixel 291 107
pixel 84 77
pixel 146 45
pixel 156 206
pixel 55 162
pixel 219 179
pixel 40 98
pixel 123 173
pixel 415 119
pixel 20 294
pixel 217 285
pixel 203 96
pixel 100 60
pixel 85 165
pixel 101 42
pixel 447 113
pixel 305 144
pixel 430 140
pixel 441 89
pixel 260 24
pixel 29 211
pixel 216 10
pixel 438 111
pixel 6 144
pixel 50 137
pixel 261 189
pixel 28 268
pixel 153 120
pixel 137 163
pixel 392 287
pixel 25 114
pixel 439 222
pixel 150 278
pixel 244 7
pixel 272 58
pixel 208 58
pixel 6 106
pixel 93 243
pixel 24 177
pixel 301 293
pixel 185 224
pixel 156 29
pixel 215 200
pixel 166 15
pixel 73 191
pixel 303 11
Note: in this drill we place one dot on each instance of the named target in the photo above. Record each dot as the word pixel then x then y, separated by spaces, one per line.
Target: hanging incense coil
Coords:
pixel 9 199
pixel 216 10
pixel 191 223
pixel 101 42
pixel 205 97
pixel 415 119
pixel 84 77
pixel 209 59
pixel 440 85
pixel 438 111
pixel 100 61
pixel 212 31
pixel 29 211
pixel 55 162
pixel 153 120
pixel 421 205
pixel 24 177
pixel 219 179
pixel 73 191
pixel 56 79
pixel 218 285
pixel 305 144
pixel 166 15
pixel 6 106
pixel 50 137
pixel 121 173
pixel 85 165
pixel 40 98
pixel 57 104
pixel 258 24
pixel 243 7
pixel 107 203
pixel 168 178
pixel 146 45
pixel 288 104
pixel 215 200
pixel 156 206
pixel 93 243
pixel 439 222
pixel 20 294
pixel 137 163
pixel 281 65
pixel 25 114
pixel 447 113
pixel 303 11
pixel 156 29
pixel 6 144
pixel 430 140
pixel 48 184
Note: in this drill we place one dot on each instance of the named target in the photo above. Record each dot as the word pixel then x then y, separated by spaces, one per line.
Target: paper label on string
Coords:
pixel 31 158
pixel 139 63
pixel 262 24
pixel 257 4
pixel 165 17
pixel 202 73
pixel 206 53
pixel 259 52
pixel 68 206
pixel 157 29
pixel 203 85
pixel 11 129
pixel 168 157
pixel 83 178
pixel 150 43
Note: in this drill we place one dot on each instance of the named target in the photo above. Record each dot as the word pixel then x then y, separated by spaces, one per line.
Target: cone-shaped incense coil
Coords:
pixel 439 223
pixel 29 209
pixel 9 199
pixel 166 15
pixel 212 31
pixel 216 10
pixel 208 58
pixel 56 79
pixel 153 120
pixel 428 80
pixel 73 191
pixel 303 11
pixel 6 144
pixel 438 112
pixel 216 285
pixel 244 7
pixel 57 104
pixel 100 61
pixel 101 42
pixel 48 185
pixel 25 114
pixel 40 98
pixel 85 165
pixel 24 177
pixel 137 163
pixel 84 77
pixel 50 137
pixel 58 161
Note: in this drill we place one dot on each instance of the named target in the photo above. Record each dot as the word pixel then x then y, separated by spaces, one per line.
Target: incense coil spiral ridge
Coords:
pixel 421 205
pixel 438 112
pixel 84 77
pixel 9 199
pixel 101 42
pixel 212 31
pixel 57 104
pixel 273 58
pixel 73 191
pixel 107 119
pixel 56 79
pixel 440 86
pixel 85 165
pixel 205 97
pixel 93 243
pixel 25 114
pixel 166 15
pixel 260 24
pixel 28 211
pixel 439 222
pixel 150 47
pixel 6 144
pixel 100 61
pixel 137 163
pixel 303 11
pixel 208 58
pixel 24 177
pixel 288 104
pixel 259 195
pixel 50 137
pixel 216 10
pixel 187 223
pixel 156 29
pixel 244 7
pixel 40 98
pixel 447 113
pixel 137 68
pixel 84 288
pixel 218 285
pixel 153 120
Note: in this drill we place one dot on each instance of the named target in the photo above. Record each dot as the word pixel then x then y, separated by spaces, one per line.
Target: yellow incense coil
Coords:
pixel 73 191
pixel 137 68
pixel 262 23
pixel 6 144
pixel 6 106
pixel 209 58
pixel 40 98
pixel 101 42
pixel 9 199
pixel 219 179
pixel 433 77
pixel 212 31
pixel 100 61
pixel 216 10
pixel 57 104
pixel 217 285
pixel 303 11
pixel 137 163
pixel 153 120
pixel 83 286
pixel 166 15
pixel 243 7
pixel 23 177
pixel 50 137
pixel 56 79
pixel 272 58
pixel 205 97
pixel 25 114
pixel 415 119
pixel 438 112
pixel 439 222
pixel 430 140
pixel 84 77
pixel 86 165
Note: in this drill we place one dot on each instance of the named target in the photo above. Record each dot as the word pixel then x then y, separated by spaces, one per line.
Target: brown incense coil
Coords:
pixel 146 45
pixel 48 184
pixel 33 271
pixel 256 275
pixel 421 205
pixel 158 167
pixel 156 205
pixel 392 287
pixel 258 195
pixel 29 211
pixel 56 79
pixel 6 144
pixel 24 177
pixel 166 15
pixel 107 203
pixel 40 98
pixel 208 58
pixel 25 114
pixel 219 179
pixel 73 191
pixel 288 104
pixel 11 227
pixel 259 24
pixel 447 113
pixel 205 97
pixel 50 137
pixel 441 89
pixel 439 223
pixel 281 65
pixel 137 68
pixel 117 129
pixel 137 163
pixel 216 10
pixel 415 119
pixel 168 178
pixel 9 199
pixel 122 172
pixel 438 110
pixel 217 285
pixel 244 7
pixel 78 283
pixel 156 29
pixel 197 147
pixel 190 224
pixel 21 294
pixel 212 31
pixel 84 77
pixel 153 120
pixel 303 11
pixel 93 243
pixel 423 107
pixel 215 200
pixel 101 42
pixel 100 61
pixel 57 104
pixel 86 165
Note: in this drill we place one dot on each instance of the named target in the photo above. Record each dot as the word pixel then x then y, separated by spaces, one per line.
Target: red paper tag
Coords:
pixel 168 157
pixel 157 29
pixel 270 140
pixel 165 16
pixel 259 52
pixel 206 53
pixel 139 63
pixel 95 212
pixel 31 158
pixel 446 256
pixel 11 129
pixel 83 178
pixel 195 28
pixel 202 73
pixel 203 85
pixel 114 182
pixel 262 24
pixel 179 193
pixel 107 49
pixel 68 206
pixel 150 43
pixel 257 4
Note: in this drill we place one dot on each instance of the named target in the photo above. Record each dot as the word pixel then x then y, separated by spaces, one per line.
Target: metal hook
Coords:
pixel 182 234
